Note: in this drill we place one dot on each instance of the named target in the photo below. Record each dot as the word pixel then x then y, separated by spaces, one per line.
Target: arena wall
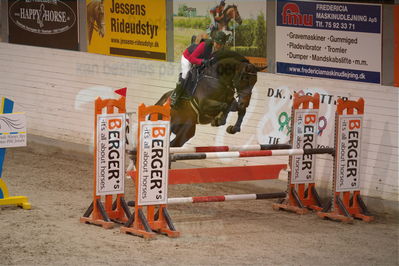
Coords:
pixel 56 89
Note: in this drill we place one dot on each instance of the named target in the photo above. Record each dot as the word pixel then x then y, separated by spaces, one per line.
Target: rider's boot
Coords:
pixel 177 93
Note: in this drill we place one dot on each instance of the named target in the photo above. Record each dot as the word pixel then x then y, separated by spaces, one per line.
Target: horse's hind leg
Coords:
pixel 183 133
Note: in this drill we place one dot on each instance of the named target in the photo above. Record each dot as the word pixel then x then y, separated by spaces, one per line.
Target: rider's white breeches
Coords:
pixel 185 67
pixel 212 19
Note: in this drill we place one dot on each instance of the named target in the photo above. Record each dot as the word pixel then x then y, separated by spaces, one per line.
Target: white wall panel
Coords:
pixel 56 88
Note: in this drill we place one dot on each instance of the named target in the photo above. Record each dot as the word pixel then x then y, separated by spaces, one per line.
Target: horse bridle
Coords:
pixel 238 79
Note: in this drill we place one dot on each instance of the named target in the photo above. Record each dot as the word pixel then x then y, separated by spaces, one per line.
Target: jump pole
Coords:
pixel 222 174
pixel 241 154
pixel 108 178
pixel 346 202
pixel 202 199
pixel 6 107
pixel 255 147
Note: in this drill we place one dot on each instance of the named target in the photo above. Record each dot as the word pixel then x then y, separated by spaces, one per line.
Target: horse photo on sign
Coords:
pixel 95 18
pixel 244 24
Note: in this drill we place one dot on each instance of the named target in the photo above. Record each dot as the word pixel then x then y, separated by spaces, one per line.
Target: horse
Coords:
pixel 229 13
pixel 214 96
pixel 95 18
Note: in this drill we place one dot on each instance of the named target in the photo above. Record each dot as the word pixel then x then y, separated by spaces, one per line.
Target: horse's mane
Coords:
pixel 94 4
pixel 224 53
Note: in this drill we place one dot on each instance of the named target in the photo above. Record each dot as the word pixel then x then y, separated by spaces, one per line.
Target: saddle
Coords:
pixel 192 79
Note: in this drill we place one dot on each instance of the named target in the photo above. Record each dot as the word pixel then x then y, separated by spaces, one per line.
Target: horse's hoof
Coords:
pixel 217 123
pixel 232 130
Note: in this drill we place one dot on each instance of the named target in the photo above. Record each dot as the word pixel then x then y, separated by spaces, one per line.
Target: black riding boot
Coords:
pixel 177 93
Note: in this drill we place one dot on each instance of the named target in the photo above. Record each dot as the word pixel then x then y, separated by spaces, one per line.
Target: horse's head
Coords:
pixel 99 18
pixel 231 12
pixel 244 81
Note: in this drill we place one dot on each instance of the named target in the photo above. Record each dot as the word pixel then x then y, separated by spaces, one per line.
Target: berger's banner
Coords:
pixel 348 159
pixel 127 28
pixel 153 163
pixel 110 155
pixel 44 23
pixel 304 137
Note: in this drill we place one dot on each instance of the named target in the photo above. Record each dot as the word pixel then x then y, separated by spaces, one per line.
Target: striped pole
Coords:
pixel 222 198
pixel 256 147
pixel 239 154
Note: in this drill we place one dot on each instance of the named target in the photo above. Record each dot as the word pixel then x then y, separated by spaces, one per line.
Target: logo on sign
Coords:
pixel 352 153
pixel 12 130
pixel 308 140
pixel 42 16
pixel 291 15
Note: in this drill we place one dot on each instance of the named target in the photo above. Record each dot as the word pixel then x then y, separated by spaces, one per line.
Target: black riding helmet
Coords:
pixel 220 37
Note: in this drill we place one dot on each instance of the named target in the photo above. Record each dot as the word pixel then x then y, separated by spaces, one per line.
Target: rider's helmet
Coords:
pixel 222 3
pixel 220 37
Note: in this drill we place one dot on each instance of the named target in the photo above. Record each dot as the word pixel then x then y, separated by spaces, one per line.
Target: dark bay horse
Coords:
pixel 214 97
pixel 95 18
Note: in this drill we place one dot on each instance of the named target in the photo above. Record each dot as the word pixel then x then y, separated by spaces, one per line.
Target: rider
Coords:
pixel 216 14
pixel 196 54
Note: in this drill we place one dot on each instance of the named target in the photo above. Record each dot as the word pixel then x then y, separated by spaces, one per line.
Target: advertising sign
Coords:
pixel 127 28
pixel 12 130
pixel 154 163
pixel 348 160
pixel 304 136
pixel 244 22
pixel 110 154
pixel 329 40
pixel 44 23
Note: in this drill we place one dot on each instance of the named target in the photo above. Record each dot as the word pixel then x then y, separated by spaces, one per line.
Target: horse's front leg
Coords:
pixel 237 126
pixel 221 118
pixel 212 107
pixel 90 32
